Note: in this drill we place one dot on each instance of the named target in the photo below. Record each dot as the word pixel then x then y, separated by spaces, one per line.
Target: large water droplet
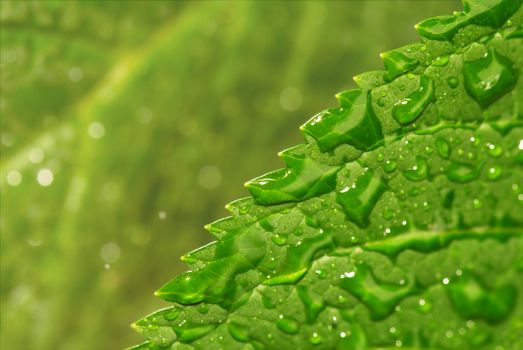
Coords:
pixel 443 147
pixel 288 325
pixel 188 332
pixel 397 63
pixel 441 61
pixel 463 172
pixel 489 78
pixel 419 171
pixel 298 259
pixel 306 178
pixel 409 109
pixel 238 331
pixel 359 200
pixel 355 123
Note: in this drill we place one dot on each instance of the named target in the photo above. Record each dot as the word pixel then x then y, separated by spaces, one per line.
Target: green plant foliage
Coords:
pixel 397 224
pixel 143 112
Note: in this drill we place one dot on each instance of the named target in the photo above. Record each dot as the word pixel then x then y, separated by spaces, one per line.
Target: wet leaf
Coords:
pixel 396 224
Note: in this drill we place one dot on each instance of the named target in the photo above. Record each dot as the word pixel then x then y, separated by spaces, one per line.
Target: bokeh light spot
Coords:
pixel 45 177
pixel 290 99
pixel 209 177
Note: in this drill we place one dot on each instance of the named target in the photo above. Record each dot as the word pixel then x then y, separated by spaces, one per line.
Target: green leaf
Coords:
pixel 137 108
pixel 396 224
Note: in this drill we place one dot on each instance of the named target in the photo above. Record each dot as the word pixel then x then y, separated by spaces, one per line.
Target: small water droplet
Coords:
pixel 477 204
pixel 315 338
pixel 494 173
pixel 453 82
pixel 494 150
pixel 390 166
pixel 279 239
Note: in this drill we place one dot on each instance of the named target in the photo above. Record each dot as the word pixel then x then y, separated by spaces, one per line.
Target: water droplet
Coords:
pixel 315 338
pixel 321 274
pixel 453 82
pixel 279 239
pixel 463 172
pixel 441 61
pixel 189 333
pixel 238 331
pixel 172 314
pixel 397 64
pixel 477 204
pixel 494 150
pixel 494 173
pixel 419 171
pixel 359 201
pixel 390 166
pixel 298 259
pixel 424 306
pixel 381 298
pixel 489 78
pixel 287 325
pixel 388 214
pixel 305 179
pixel 355 123
pixel 409 109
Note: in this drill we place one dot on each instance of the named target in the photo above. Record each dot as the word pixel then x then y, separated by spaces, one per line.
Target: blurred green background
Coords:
pixel 126 126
